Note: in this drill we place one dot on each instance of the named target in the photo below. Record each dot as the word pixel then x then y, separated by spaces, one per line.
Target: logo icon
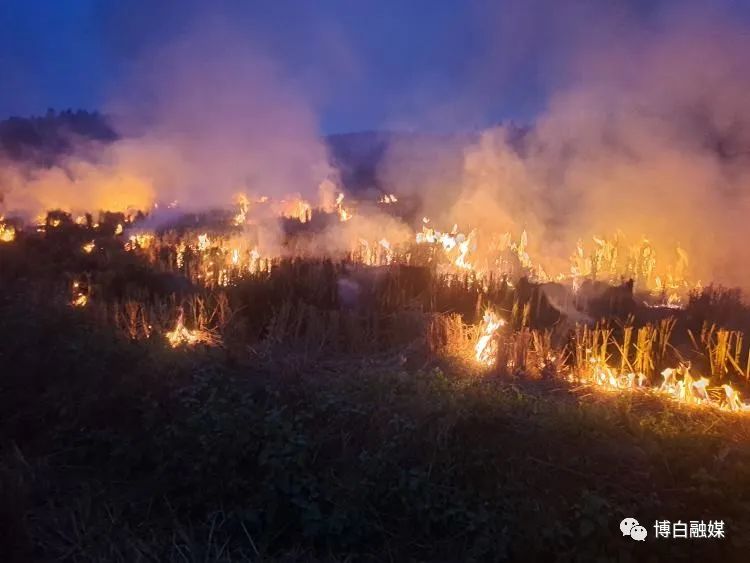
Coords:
pixel 631 527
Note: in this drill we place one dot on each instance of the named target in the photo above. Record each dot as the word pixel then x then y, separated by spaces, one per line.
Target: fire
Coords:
pixel 485 350
pixel 344 214
pixel 243 205
pixel 80 298
pixel 678 384
pixel 139 241
pixel 204 242
pixel 373 253
pixel 222 255
pixel 7 232
pixel 296 209
pixel 181 335
pixel 611 259
pixel 733 402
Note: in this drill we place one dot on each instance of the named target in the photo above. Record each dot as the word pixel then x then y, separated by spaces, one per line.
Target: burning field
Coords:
pixel 371 277
pixel 225 337
pixel 347 305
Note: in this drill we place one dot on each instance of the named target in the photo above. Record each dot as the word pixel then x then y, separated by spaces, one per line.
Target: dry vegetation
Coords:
pixel 266 420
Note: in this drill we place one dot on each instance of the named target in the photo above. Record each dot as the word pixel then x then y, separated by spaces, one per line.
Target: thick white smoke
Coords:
pixel 203 117
pixel 649 136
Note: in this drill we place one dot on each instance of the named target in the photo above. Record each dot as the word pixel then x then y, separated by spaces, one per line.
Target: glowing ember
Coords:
pixel 388 198
pixel 80 298
pixel 88 248
pixel 204 242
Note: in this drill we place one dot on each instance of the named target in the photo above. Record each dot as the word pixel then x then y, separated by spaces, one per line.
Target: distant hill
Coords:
pixel 42 140
pixel 358 156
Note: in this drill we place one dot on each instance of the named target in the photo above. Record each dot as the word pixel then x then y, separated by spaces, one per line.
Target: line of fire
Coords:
pixel 619 318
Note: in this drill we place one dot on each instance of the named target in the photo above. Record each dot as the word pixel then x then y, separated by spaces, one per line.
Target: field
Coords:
pixel 147 416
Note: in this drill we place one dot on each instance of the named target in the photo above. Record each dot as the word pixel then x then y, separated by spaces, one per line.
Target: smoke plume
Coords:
pixel 649 136
pixel 201 118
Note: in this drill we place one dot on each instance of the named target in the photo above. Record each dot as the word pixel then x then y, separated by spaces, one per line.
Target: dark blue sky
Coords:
pixel 363 64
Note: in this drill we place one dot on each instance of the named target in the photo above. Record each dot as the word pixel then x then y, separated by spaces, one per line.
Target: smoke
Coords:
pixel 95 177
pixel 645 131
pixel 649 136
pixel 202 118
pixel 653 139
pixel 236 123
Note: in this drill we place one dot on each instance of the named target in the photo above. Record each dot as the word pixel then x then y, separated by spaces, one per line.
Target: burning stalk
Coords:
pixel 7 232
pixel 344 214
pixel 486 348
pixel 181 335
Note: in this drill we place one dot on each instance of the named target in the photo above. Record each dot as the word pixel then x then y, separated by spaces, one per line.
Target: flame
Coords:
pixel 611 259
pixel 485 350
pixel 204 242
pixel 220 259
pixel 677 384
pixel 7 232
pixel 139 241
pixel 181 335
pixel 243 205
pixel 296 209
pixel 733 402
pixel 80 298
pixel 344 214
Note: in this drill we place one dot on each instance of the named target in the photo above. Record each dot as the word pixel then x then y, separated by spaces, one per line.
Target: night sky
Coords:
pixel 441 64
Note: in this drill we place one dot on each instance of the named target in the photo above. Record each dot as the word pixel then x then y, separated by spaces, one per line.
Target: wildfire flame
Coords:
pixel 297 209
pixel 485 350
pixel 344 214
pixel 677 384
pixel 181 335
pixel 7 232
pixel 243 206
pixel 80 298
